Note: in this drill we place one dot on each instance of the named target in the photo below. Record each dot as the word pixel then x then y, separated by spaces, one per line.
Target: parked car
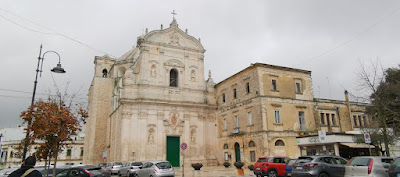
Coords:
pixel 129 168
pixel 156 169
pixel 49 172
pixel 394 169
pixel 289 166
pixel 84 171
pixel 7 171
pixel 321 166
pixel 368 166
pixel 270 166
pixel 113 167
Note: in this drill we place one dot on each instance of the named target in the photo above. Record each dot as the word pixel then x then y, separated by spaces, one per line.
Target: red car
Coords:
pixel 270 166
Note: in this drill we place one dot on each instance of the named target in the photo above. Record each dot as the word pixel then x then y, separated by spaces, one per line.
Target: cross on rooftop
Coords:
pixel 173 13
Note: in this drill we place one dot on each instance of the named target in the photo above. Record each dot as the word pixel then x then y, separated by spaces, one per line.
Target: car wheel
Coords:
pixel 136 175
pixel 272 173
pixel 323 175
pixel 119 174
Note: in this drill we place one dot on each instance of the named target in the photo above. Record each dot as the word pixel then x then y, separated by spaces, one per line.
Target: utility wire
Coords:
pixel 356 36
pixel 54 32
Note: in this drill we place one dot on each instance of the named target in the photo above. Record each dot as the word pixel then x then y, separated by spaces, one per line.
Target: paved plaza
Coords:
pixel 214 171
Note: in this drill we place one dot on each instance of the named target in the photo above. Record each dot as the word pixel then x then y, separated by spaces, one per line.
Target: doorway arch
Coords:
pixel 237 152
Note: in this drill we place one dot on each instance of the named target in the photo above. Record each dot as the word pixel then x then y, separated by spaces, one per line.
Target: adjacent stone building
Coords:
pixel 143 105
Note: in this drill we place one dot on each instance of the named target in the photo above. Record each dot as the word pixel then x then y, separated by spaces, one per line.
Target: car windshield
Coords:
pixel 262 160
pixel 291 161
pixel 163 165
pixel 304 159
pixel 360 162
pixel 136 164
pixel 117 163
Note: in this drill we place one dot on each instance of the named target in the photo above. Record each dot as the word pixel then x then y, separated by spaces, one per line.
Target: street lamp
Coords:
pixel 57 69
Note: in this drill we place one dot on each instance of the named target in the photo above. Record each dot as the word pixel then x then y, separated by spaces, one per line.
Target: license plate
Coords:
pixel 299 168
pixel 289 174
pixel 257 168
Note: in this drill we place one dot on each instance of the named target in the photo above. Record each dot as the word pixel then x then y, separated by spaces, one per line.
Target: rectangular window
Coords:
pixel 226 156
pixel 355 121
pixel 81 152
pixel 250 118
pixel 274 85
pixel 252 156
pixel 236 122
pixel 298 87
pixel 248 87
pixel 277 117
pixel 328 122
pixel 223 97
pixel 359 120
pixel 69 152
pixel 322 119
pixel 234 93
pixel 333 119
pixel 225 127
pixel 301 120
pixel 365 121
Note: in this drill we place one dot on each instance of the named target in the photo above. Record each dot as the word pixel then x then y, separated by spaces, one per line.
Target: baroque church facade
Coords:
pixel 143 105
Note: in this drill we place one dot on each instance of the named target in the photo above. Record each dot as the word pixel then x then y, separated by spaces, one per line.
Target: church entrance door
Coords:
pixel 173 151
pixel 237 152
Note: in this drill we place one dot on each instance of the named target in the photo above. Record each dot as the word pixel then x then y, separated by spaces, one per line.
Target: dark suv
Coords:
pixel 270 166
pixel 321 166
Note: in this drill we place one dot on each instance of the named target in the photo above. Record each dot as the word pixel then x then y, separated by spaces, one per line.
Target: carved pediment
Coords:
pixel 173 37
pixel 174 63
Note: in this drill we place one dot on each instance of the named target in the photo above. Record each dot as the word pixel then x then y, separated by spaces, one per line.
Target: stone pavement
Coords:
pixel 212 171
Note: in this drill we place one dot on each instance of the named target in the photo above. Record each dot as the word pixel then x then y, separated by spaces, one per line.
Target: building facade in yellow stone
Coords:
pixel 143 105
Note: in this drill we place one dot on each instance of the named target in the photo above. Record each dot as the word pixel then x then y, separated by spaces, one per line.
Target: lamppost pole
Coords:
pixel 57 69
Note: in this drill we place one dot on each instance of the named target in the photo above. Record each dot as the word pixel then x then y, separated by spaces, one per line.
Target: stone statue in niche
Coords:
pixel 193 76
pixel 153 71
pixel 151 136
pixel 193 136
pixel 174 120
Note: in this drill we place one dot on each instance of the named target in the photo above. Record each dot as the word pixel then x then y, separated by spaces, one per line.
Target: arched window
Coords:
pixel 279 143
pixel 105 72
pixel 226 146
pixel 252 144
pixel 173 78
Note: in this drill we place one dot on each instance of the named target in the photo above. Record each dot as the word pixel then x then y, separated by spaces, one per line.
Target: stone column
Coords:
pixel 336 147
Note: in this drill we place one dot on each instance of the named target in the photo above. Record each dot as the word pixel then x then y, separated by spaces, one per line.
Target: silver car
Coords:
pixel 156 169
pixel 368 166
pixel 129 169
pixel 319 166
pixel 113 167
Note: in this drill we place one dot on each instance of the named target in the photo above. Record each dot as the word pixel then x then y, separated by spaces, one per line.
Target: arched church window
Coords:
pixel 279 143
pixel 105 72
pixel 173 78
pixel 252 144
pixel 226 146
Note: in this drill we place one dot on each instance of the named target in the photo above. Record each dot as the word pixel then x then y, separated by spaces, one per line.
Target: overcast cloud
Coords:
pixel 329 38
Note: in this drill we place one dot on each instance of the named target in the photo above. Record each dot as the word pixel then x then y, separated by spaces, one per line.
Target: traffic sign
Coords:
pixel 367 138
pixel 183 146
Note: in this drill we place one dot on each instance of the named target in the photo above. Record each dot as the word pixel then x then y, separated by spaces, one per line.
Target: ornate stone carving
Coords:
pixel 193 76
pixel 160 115
pixel 143 115
pixel 174 39
pixel 174 63
pixel 126 115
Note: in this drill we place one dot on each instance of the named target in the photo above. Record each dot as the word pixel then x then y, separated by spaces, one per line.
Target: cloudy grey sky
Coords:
pixel 329 38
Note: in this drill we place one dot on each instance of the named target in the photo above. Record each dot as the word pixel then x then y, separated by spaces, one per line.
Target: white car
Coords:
pixel 113 167
pixel 374 166
pixel 129 169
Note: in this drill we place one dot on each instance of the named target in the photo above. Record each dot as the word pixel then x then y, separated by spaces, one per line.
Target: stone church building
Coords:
pixel 143 105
